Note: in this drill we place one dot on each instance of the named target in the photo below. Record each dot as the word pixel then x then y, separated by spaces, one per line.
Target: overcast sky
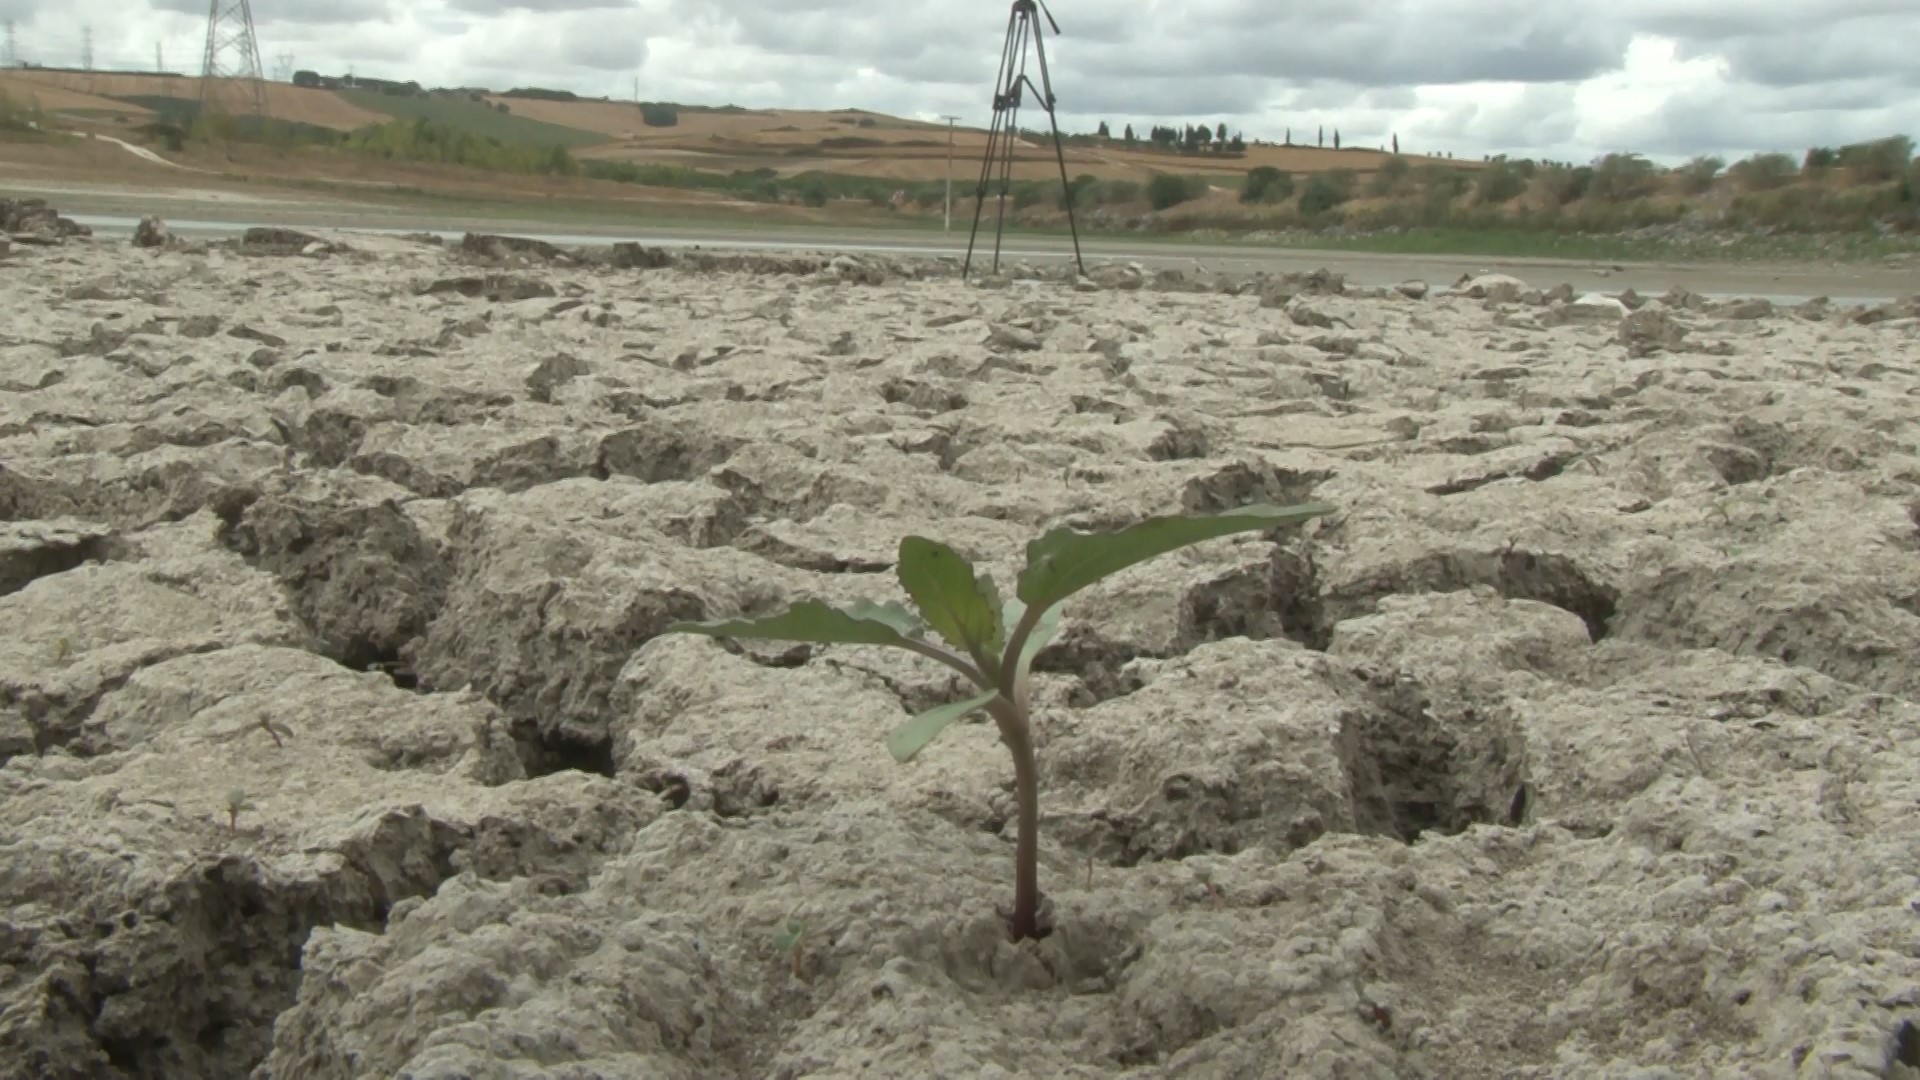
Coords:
pixel 1565 79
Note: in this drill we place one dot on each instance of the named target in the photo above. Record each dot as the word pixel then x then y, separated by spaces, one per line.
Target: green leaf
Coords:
pixel 789 937
pixel 862 623
pixel 965 609
pixel 1043 631
pixel 911 737
pixel 1063 562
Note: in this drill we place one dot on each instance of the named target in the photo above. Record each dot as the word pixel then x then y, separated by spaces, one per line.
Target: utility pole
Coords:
pixel 949 120
pixel 159 60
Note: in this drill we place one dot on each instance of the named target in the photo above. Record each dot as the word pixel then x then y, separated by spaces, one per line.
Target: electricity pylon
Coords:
pixel 233 52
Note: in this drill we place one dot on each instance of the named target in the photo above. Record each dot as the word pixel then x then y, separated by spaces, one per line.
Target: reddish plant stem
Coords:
pixel 1026 853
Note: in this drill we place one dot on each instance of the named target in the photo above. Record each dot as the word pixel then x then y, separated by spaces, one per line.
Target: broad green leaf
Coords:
pixel 965 609
pixel 1043 631
pixel 863 623
pixel 911 737
pixel 789 937
pixel 1063 562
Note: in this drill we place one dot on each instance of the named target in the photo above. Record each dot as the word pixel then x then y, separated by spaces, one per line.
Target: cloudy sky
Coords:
pixel 1565 79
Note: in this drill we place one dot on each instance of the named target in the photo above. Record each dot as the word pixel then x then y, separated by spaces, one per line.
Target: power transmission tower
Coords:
pixel 159 60
pixel 13 45
pixel 233 52
pixel 86 48
pixel 283 67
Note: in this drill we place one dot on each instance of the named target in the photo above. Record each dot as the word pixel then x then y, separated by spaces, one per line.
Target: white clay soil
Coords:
pixel 341 740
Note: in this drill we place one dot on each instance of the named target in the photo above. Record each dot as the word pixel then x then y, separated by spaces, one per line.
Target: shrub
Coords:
pixel 1498 185
pixel 1166 191
pixel 1323 192
pixel 655 114
pixel 1391 177
pixel 1763 172
pixel 1697 176
pixel 1267 184
pixel 1879 162
pixel 1621 177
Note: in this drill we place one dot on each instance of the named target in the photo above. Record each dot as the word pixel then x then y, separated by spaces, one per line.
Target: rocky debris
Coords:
pixel 1279 292
pixel 1413 290
pixel 631 256
pixel 31 550
pixel 491 248
pixel 553 373
pixel 151 233
pixel 339 735
pixel 1590 308
pixel 278 241
pixel 33 221
pixel 495 288
pixel 1906 308
pixel 1651 330
pixel 1493 288
pixel 195 327
pixel 1124 276
pixel 1746 310
pixel 1013 337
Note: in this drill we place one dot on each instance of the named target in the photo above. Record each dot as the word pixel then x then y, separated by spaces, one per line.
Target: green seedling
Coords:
pixel 236 803
pixel 991 642
pixel 789 940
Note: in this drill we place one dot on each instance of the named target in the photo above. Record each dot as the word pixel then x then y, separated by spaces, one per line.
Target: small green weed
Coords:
pixel 991 642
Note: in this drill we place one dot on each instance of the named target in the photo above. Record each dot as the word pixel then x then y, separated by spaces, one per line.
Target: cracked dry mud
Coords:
pixel 340 740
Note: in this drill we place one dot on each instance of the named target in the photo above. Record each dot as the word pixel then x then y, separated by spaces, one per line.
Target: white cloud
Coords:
pixel 1668 78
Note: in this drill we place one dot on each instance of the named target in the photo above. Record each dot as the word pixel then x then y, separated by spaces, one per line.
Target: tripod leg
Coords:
pixel 1000 89
pixel 1023 24
pixel 1059 151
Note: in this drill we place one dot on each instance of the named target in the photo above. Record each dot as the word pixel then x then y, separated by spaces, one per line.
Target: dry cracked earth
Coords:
pixel 341 739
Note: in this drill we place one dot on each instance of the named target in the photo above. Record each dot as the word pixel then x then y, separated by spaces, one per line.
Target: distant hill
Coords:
pixel 725 138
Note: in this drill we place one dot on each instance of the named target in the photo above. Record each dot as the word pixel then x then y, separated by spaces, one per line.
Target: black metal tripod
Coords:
pixel 1004 134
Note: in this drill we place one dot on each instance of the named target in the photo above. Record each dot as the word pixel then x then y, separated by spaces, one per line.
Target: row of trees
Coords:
pixel 1200 138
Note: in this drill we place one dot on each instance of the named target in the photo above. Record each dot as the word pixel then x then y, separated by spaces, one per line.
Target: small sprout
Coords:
pixel 789 940
pixel 991 641
pixel 61 649
pixel 236 803
pixel 275 729
pixel 1205 874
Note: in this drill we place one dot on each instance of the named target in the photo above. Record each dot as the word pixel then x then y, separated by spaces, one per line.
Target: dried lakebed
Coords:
pixel 341 740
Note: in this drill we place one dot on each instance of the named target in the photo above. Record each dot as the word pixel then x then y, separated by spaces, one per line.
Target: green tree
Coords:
pixel 1103 131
